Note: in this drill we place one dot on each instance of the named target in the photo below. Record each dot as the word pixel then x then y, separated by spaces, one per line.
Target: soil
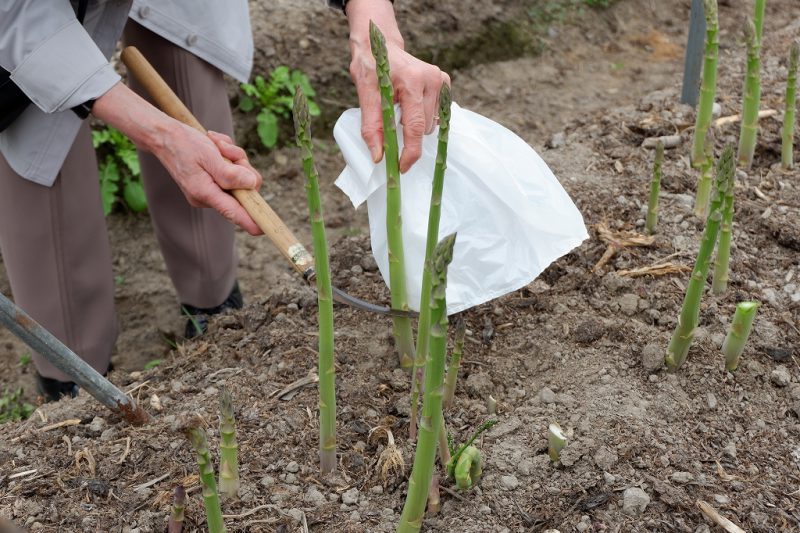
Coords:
pixel 576 347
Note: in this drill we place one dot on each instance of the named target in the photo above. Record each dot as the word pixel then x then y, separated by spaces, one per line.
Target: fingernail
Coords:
pixel 376 154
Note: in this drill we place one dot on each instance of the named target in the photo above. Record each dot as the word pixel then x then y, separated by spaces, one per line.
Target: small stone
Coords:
pixel 296 514
pixel 350 497
pixel 778 353
pixel 716 109
pixel 634 501
pixel 267 481
pixel 588 331
pixel 355 516
pixel 628 304
pixel 357 269
pixel 730 450
pixel 315 497
pixel 609 478
pixel 703 528
pixel 292 307
pixel 509 482
pixel 97 425
pixel 547 395
pixel 109 435
pixel 558 140
pixel 605 458
pixel 368 263
pixel 377 489
pixel 293 467
pixel 653 357
pixel 711 400
pixel 780 376
pixel 682 477
pixel 721 499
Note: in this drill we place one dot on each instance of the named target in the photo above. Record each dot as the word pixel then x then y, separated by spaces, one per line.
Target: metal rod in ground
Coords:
pixel 43 342
pixel 693 61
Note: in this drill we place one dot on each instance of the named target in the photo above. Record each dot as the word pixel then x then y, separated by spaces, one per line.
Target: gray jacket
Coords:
pixel 59 63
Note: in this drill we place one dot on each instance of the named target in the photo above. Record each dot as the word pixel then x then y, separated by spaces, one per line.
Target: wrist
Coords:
pixel 381 12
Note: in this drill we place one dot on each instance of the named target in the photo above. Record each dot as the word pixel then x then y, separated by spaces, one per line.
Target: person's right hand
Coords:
pixel 204 167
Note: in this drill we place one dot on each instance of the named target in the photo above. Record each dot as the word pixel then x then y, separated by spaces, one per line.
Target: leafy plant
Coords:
pixel 25 359
pixel 152 364
pixel 119 168
pixel 274 100
pixel 12 408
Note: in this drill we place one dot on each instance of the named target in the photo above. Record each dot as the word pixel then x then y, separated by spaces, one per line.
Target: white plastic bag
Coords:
pixel 512 216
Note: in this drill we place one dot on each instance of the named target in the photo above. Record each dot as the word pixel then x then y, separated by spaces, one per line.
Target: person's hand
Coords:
pixel 204 167
pixel 416 83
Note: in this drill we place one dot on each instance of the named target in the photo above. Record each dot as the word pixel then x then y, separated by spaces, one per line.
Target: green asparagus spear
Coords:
pixel 197 436
pixel 789 115
pixel 752 92
pixel 708 87
pixel 228 448
pixel 655 188
pixel 738 333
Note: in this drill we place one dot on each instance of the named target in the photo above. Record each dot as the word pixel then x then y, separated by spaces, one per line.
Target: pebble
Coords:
pixel 296 514
pixel 368 263
pixel 509 482
pixel 780 376
pixel 721 499
pixel 267 481
pixel 293 467
pixel 653 357
pixel 609 478
pixel 730 450
pixel 682 477
pixel 357 269
pixel 634 501
pixel 109 434
pixel 605 458
pixel 711 400
pixel 292 307
pixel 350 497
pixel 628 304
pixel 703 528
pixel 97 425
pixel 315 497
pixel 547 395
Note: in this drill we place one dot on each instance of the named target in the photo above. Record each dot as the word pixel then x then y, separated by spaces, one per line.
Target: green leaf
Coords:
pixel 313 109
pixel 129 156
pixel 299 78
pixel 134 196
pixel 100 137
pixel 268 128
pixel 109 176
pixel 152 364
pixel 246 103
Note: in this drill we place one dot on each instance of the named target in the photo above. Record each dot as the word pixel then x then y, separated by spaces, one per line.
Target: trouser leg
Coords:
pixel 197 244
pixel 56 253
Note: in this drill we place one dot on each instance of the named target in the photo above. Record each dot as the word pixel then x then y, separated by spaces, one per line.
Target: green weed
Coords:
pixel 119 168
pixel 274 99
pixel 25 359
pixel 152 364
pixel 12 408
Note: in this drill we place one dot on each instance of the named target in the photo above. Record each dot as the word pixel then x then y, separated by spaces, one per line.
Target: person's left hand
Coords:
pixel 416 88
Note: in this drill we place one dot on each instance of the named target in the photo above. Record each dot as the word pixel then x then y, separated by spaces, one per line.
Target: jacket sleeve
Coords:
pixel 50 55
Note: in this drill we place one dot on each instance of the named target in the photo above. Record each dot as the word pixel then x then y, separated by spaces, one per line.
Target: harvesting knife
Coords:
pixel 258 209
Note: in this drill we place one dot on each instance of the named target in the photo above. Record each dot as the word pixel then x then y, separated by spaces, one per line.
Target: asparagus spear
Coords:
pixel 708 87
pixel 327 371
pixel 175 524
pixel 655 187
pixel 434 215
pixel 678 347
pixel 197 436
pixel 455 363
pixel 403 335
pixel 228 448
pixel 752 90
pixel 787 148
pixel 722 265
pixel 467 471
pixel 705 182
pixel 733 346
pixel 422 471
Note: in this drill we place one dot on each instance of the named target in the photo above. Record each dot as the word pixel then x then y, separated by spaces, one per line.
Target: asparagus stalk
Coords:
pixel 228 448
pixel 655 188
pixel 708 87
pixel 434 215
pixel 434 500
pixel 422 471
pixel 787 146
pixel 175 524
pixel 705 182
pixel 719 281
pixel 678 347
pixel 455 363
pixel 327 371
pixel 752 90
pixel 467 471
pixel 403 335
pixel 556 441
pixel 197 436
pixel 733 346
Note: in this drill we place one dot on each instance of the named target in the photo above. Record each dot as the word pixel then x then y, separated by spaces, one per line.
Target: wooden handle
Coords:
pixel 258 209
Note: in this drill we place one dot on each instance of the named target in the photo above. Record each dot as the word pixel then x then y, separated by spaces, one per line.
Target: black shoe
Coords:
pixel 198 317
pixel 53 390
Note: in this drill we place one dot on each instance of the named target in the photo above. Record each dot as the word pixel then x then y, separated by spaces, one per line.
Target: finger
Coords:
pixel 234 176
pixel 430 103
pixel 413 122
pixel 369 99
pixel 215 135
pixel 229 150
pixel 212 196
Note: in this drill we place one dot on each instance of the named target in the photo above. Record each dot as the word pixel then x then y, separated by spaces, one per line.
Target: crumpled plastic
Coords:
pixel 511 214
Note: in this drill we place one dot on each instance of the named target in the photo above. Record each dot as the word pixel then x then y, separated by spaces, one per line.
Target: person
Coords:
pixel 53 236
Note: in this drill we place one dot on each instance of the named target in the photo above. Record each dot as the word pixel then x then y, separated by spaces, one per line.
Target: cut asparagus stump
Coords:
pixel 430 422
pixel 655 188
pixel 733 346
pixel 708 87
pixel 228 448
pixel 403 335
pixel 752 89
pixel 556 441
pixel 434 215
pixel 678 348
pixel 326 368
pixel 789 115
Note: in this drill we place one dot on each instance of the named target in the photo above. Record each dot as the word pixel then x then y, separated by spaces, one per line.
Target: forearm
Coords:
pixel 381 12
pixel 134 116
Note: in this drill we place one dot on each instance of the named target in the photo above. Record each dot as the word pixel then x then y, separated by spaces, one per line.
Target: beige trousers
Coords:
pixel 54 240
